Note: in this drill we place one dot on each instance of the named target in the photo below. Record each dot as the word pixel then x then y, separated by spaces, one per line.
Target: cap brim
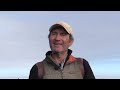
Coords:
pixel 58 25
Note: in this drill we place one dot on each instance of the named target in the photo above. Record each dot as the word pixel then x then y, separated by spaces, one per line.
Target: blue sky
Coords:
pixel 23 40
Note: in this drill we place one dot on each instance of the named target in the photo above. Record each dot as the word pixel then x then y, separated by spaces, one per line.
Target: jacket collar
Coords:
pixel 69 58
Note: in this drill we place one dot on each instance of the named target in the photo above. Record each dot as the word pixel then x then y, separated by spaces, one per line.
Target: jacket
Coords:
pixel 70 70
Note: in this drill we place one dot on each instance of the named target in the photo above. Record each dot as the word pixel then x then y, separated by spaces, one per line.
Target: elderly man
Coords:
pixel 59 63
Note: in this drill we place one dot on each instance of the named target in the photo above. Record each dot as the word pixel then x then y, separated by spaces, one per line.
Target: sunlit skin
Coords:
pixel 59 41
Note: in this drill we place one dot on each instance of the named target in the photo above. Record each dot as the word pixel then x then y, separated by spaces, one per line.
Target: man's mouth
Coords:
pixel 57 44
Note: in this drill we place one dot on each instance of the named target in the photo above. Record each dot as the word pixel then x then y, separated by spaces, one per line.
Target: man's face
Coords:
pixel 59 40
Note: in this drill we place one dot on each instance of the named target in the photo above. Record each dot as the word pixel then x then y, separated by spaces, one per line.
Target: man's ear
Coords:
pixel 71 42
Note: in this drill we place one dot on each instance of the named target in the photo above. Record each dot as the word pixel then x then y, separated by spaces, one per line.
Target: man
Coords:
pixel 59 62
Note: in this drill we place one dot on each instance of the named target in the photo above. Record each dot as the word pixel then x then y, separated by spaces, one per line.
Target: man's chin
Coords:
pixel 57 51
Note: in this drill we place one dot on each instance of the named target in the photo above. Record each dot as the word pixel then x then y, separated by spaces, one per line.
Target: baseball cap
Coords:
pixel 65 25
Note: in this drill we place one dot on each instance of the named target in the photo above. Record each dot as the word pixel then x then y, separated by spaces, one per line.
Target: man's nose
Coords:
pixel 58 37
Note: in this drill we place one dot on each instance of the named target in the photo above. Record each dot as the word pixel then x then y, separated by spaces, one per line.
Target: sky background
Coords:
pixel 24 40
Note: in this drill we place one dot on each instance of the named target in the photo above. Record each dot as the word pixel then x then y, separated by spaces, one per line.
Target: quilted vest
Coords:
pixel 70 71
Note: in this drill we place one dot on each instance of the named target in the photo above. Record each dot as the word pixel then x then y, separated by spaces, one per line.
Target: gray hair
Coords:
pixel 71 37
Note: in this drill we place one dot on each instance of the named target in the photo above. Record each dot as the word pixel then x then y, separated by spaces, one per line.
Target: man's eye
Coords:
pixel 53 33
pixel 63 34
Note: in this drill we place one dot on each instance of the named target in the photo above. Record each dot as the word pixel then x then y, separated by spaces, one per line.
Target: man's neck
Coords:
pixel 59 57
